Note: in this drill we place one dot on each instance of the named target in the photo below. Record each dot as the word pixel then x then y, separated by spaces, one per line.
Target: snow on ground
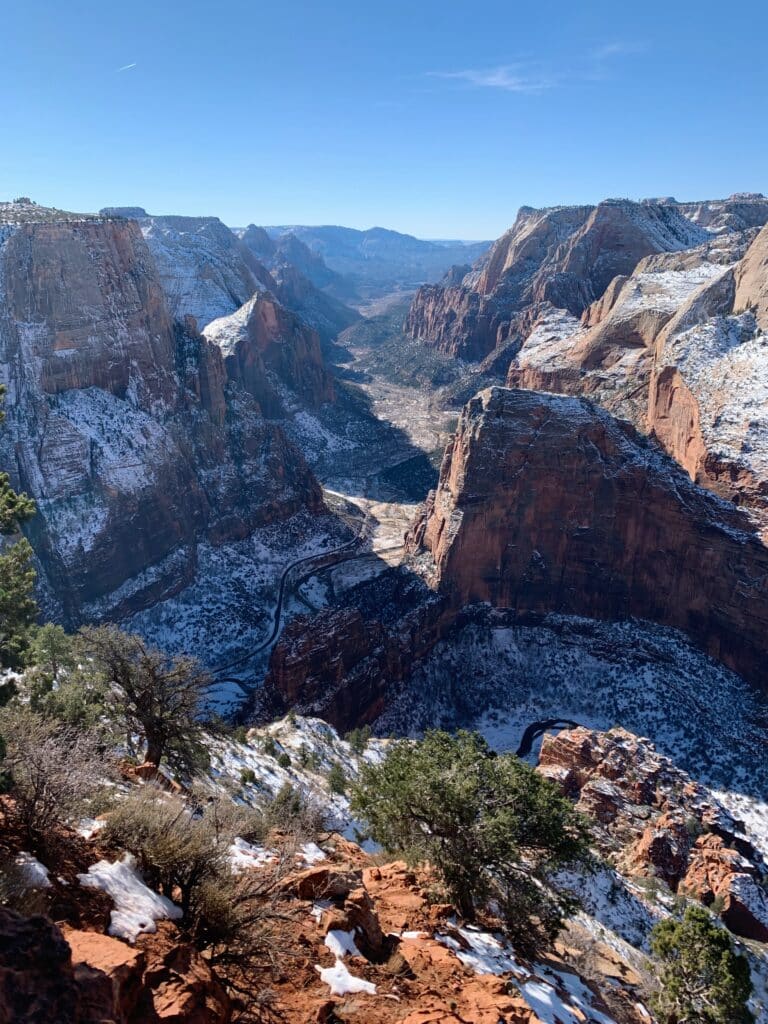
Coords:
pixel 597 674
pixel 243 856
pixel 229 609
pixel 615 910
pixel 341 943
pixel 341 982
pixel 556 996
pixel 88 827
pixel 137 908
pixel 33 872
pixel 483 952
pixel 252 773
pixel 724 362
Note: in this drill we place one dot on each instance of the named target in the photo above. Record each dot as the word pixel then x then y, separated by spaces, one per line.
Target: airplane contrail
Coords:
pixel 126 67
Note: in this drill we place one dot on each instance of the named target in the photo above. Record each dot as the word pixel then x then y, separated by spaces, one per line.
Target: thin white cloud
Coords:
pixel 615 49
pixel 507 77
pixel 533 76
pixel 126 67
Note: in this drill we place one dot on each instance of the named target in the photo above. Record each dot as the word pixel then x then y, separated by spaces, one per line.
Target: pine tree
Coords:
pixel 701 978
pixel 17 577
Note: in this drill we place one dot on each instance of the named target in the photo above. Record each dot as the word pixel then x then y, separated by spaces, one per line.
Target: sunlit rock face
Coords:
pixel 547 503
pixel 121 422
pixel 565 256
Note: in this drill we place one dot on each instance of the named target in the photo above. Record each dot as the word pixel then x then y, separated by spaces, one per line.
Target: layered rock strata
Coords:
pixel 566 256
pixel 123 424
pixel 547 503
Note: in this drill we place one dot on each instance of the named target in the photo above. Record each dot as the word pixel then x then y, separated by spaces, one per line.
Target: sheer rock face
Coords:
pixel 340 663
pixel 268 350
pixel 547 503
pixel 121 423
pixel 608 354
pixel 204 269
pixel 679 348
pixel 566 256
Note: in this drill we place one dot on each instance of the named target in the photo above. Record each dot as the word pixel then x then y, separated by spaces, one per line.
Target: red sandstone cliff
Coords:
pixel 266 347
pixel 707 401
pixel 547 503
pixel 566 256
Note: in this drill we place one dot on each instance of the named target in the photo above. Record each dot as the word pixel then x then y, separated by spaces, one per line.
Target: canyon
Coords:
pixel 527 501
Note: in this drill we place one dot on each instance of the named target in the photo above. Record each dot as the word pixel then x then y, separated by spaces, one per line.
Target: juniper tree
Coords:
pixel 17 577
pixel 702 980
pixel 154 696
pixel 489 825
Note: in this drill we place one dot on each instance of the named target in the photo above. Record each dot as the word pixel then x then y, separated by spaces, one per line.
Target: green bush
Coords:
pixel 17 577
pixel 358 739
pixel 489 825
pixel 701 978
pixel 284 760
pixel 180 847
pixel 293 810
pixel 337 780
pixel 247 776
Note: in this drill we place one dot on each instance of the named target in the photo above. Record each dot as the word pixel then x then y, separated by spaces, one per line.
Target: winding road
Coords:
pixel 535 729
pixel 311 564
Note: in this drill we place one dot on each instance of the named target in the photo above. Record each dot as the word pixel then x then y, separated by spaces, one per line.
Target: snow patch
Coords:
pixel 137 907
pixel 34 873
pixel 341 982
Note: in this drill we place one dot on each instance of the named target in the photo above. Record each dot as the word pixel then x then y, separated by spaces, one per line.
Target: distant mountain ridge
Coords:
pixel 379 258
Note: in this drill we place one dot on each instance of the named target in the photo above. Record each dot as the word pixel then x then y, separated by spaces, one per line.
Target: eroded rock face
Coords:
pixel 204 269
pixel 565 256
pixel 547 503
pixel 608 354
pixel 739 211
pixel 708 391
pixel 340 663
pixel 652 820
pixel 269 352
pixel 121 423
pixel 678 348
pixel 83 977
pixel 37 983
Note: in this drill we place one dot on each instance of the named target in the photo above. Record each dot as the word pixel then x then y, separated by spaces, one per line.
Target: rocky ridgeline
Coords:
pixel 208 271
pixel 358 937
pixel 679 348
pixel 566 256
pixel 654 309
pixel 132 431
pixel 652 820
pixel 545 504
pixel 303 281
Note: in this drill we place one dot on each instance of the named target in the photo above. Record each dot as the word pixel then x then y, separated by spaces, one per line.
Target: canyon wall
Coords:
pixel 122 422
pixel 547 503
pixel 566 256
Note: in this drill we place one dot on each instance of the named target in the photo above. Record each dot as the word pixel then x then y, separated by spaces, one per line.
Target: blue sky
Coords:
pixel 436 118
